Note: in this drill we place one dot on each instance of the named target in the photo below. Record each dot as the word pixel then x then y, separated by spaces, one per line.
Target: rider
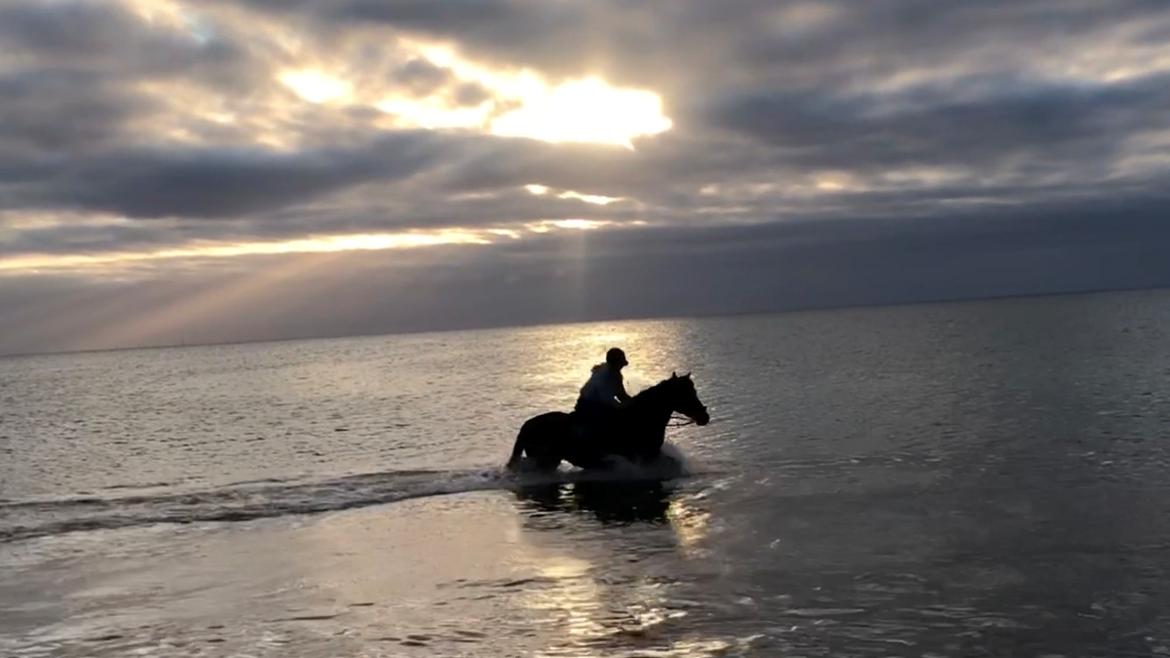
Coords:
pixel 605 392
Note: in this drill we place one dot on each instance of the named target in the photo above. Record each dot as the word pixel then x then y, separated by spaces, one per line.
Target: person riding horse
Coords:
pixel 603 394
pixel 636 429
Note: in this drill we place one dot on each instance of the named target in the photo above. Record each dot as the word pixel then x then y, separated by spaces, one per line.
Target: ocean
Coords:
pixel 971 479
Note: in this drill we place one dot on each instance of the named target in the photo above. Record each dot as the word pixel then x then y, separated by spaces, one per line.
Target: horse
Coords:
pixel 637 433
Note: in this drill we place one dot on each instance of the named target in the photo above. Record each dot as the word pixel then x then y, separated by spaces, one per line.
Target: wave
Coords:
pixel 247 501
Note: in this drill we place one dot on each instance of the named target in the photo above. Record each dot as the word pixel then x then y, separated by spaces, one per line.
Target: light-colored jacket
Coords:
pixel 605 386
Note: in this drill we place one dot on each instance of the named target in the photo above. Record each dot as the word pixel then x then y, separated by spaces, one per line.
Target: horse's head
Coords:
pixel 685 400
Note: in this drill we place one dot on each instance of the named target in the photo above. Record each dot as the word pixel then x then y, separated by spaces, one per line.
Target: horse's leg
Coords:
pixel 523 443
pixel 517 452
pixel 537 440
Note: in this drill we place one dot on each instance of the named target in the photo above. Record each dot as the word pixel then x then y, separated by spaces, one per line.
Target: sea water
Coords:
pixel 985 478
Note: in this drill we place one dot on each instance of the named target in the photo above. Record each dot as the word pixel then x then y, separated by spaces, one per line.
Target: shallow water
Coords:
pixel 967 479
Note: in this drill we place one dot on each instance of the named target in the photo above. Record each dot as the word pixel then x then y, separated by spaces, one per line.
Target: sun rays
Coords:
pixel 110 262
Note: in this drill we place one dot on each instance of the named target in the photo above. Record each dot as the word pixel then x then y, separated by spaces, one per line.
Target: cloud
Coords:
pixel 220 183
pixel 422 77
pixel 132 125
pixel 579 275
pixel 1064 126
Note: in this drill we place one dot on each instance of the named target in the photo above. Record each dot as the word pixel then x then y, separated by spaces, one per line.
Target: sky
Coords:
pixel 232 170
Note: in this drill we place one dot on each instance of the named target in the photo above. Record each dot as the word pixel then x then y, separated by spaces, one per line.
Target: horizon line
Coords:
pixel 625 318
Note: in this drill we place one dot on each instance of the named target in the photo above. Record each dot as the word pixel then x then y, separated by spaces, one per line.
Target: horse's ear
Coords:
pixel 687 376
pixel 673 375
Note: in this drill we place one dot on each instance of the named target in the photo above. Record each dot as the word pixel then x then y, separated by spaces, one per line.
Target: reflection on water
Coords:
pixel 619 503
pixel 567 597
pixel 959 480
pixel 616 559
pixel 691 524
pixel 608 502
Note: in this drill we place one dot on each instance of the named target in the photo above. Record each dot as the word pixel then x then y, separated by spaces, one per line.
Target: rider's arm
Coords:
pixel 621 390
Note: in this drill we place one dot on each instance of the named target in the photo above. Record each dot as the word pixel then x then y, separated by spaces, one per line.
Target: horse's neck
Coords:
pixel 652 406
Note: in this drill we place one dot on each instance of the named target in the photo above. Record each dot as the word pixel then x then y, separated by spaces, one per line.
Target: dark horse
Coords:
pixel 636 434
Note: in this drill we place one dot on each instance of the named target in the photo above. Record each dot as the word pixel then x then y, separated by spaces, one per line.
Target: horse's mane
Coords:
pixel 655 389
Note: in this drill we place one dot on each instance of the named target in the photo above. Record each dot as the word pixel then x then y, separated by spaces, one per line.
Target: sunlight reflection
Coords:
pixel 562 356
pixel 589 611
pixel 577 593
pixel 574 597
pixel 690 525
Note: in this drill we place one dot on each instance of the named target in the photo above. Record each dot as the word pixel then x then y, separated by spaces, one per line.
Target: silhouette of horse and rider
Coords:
pixel 608 422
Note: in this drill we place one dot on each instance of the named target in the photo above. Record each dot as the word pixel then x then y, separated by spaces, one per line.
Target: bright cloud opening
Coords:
pixel 567 224
pixel 595 199
pixel 587 110
pixel 314 245
pixel 433 114
pixel 523 103
pixel 109 262
pixel 316 86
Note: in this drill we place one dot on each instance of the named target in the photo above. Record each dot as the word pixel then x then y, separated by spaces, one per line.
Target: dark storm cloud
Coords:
pixel 88 238
pixel 1068 125
pixel 223 183
pixel 226 183
pixel 57 112
pixel 759 37
pixel 72 73
pixel 108 41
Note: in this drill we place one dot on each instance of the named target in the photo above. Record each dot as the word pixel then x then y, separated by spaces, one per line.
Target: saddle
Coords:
pixel 593 421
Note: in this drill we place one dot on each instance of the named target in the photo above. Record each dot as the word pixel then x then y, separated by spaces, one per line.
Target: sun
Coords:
pixel 585 110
